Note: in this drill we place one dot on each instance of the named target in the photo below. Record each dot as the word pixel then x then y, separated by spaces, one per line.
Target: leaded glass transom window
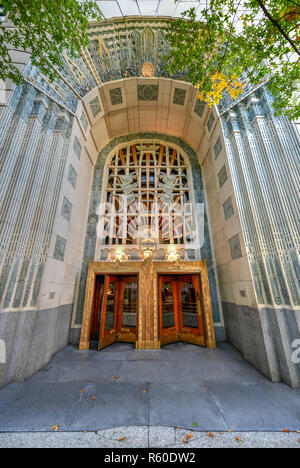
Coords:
pixel 147 194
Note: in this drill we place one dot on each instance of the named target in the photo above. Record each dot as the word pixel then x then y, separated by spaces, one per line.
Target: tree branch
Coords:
pixel 273 21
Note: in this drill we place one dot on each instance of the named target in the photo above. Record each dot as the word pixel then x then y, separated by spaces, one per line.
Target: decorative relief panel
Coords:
pixel 72 176
pixel 218 147
pixel 84 121
pixel 77 147
pixel 211 120
pixel 179 96
pixel 115 96
pixel 66 209
pixel 235 247
pixel 228 208
pixel 147 92
pixel 95 106
pixel 199 107
pixel 59 249
pixel 222 176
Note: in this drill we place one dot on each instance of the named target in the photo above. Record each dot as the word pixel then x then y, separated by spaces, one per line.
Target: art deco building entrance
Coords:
pixel 150 229
pixel 147 302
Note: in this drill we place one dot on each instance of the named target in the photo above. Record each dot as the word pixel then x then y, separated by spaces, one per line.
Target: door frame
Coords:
pixel 147 310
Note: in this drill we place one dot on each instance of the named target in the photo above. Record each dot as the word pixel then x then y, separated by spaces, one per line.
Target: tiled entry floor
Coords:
pixel 180 385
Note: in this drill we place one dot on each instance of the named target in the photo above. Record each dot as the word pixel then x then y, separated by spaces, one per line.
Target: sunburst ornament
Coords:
pixel 147 69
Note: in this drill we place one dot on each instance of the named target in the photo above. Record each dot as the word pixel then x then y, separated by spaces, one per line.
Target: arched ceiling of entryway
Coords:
pixel 135 105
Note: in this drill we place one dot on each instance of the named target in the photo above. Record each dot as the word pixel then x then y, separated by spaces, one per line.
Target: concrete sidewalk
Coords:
pixel 149 437
pixel 180 385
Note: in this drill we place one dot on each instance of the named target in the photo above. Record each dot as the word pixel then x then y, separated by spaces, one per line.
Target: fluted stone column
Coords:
pixel 262 154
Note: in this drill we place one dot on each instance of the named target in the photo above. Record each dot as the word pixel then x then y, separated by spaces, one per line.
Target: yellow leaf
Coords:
pixel 55 428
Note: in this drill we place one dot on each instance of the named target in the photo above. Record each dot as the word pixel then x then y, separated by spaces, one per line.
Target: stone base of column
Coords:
pixel 84 345
pixel 151 344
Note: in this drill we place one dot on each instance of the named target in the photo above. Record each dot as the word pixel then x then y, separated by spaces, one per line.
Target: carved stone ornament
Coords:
pixel 147 69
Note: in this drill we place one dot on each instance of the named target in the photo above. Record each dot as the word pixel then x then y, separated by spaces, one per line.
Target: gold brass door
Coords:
pixel 180 309
pixel 119 310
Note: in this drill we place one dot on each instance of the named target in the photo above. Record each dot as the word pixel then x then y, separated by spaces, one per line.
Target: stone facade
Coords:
pixel 54 141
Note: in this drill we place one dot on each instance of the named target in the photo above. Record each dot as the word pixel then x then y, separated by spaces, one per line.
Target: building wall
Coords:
pixel 42 221
pixel 254 216
pixel 46 184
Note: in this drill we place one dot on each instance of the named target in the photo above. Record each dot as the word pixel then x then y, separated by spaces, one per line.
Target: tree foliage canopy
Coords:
pixel 214 52
pixel 263 39
pixel 45 28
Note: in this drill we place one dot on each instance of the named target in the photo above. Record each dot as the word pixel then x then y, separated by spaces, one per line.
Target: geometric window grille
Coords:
pixel 147 194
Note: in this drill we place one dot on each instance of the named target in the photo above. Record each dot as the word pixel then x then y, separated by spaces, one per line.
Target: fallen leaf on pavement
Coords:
pixel 117 376
pixel 239 439
pixel 187 437
pixel 55 428
pixel 286 430
pixel 93 398
pixel 121 439
pixel 210 434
